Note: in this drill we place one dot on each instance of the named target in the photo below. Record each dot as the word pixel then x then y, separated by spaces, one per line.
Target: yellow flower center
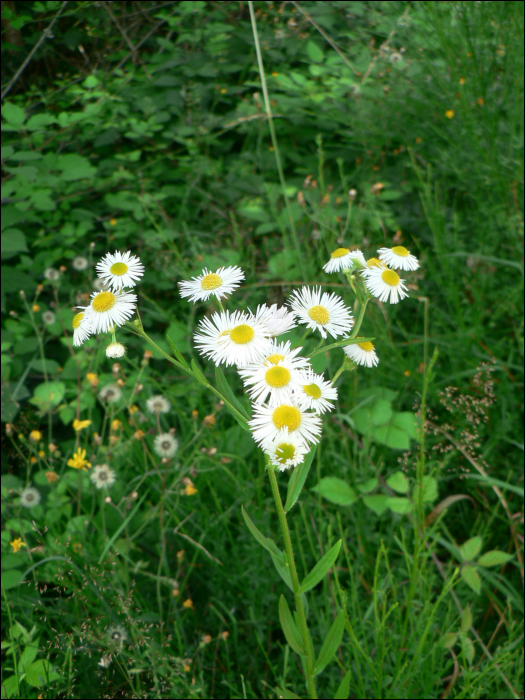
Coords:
pixel 118 269
pixel 390 277
pixel 367 346
pixel 400 250
pixel 76 320
pixel 104 302
pixel 339 253
pixel 277 377
pixel 375 262
pixel 319 314
pixel 242 334
pixel 275 358
pixel 284 451
pixel 287 417
pixel 211 281
pixel 312 390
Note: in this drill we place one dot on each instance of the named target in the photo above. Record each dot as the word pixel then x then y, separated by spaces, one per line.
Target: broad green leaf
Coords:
pixel 470 549
pixel 197 373
pixel 380 412
pixel 399 505
pixel 430 490
pixel 466 620
pixel 315 54
pixel 28 656
pixel 449 639
pixel 39 121
pixel 336 490
pixel 292 634
pixel 407 422
pixel 321 568
pixel 471 577
pixel 48 395
pixel 378 392
pixel 367 486
pixel 13 114
pixel 40 673
pixel 391 436
pixel 378 503
pixel 331 643
pixel 398 482
pixel 297 479
pixel 13 242
pixel 7 152
pixel 91 81
pixel 344 688
pixel 11 578
pixel 75 167
pixel 468 648
pixel 268 544
pixel 494 558
pixel 10 686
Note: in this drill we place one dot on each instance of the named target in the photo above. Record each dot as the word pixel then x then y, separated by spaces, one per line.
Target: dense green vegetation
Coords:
pixel 142 126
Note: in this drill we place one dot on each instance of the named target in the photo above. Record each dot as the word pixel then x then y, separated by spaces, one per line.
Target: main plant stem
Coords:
pixel 295 584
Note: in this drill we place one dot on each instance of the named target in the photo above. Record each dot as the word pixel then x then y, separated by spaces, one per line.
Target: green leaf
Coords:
pixel 380 412
pixel 40 673
pixel 50 366
pixel 292 634
pixel 48 395
pixel 344 688
pixel 398 482
pixel 197 373
pixel 226 391
pixel 331 643
pixel 408 423
pixel 466 620
pixel 336 490
pixel 91 81
pixel 494 558
pixel 6 152
pixel 468 648
pixel 13 242
pixel 367 486
pixel 430 490
pixel 297 479
pixel 265 542
pixel 449 639
pixel 378 503
pixel 10 686
pixel 284 693
pixel 40 121
pixel 315 54
pixel 470 549
pixel 321 568
pixel 391 436
pixel 11 578
pixel 176 352
pixel 28 656
pixel 13 114
pixel 399 505
pixel 75 167
pixel 283 569
pixel 471 577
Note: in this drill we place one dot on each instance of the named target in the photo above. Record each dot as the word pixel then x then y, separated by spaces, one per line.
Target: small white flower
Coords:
pixel 81 328
pixel 324 312
pixel 102 476
pixel 343 259
pixel 80 263
pixel 399 258
pixel 278 352
pixel 30 497
pixel 48 317
pixel 278 379
pixel 286 450
pixel 115 350
pixel 51 274
pixel 158 404
pixel 110 393
pixel 362 353
pixel 395 57
pixel 109 309
pixel 120 270
pixel 105 661
pixel 117 634
pixel 372 264
pixel 385 284
pixel 165 445
pixel 224 281
pixel 315 392
pixel 236 339
pixel 278 319
pixel 268 421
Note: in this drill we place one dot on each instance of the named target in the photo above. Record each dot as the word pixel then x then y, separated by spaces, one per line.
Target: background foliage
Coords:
pixel 142 126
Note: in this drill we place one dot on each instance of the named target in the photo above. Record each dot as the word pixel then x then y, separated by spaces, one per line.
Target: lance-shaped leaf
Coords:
pixel 281 693
pixel 290 629
pixel 225 389
pixel 268 544
pixel 283 570
pixel 197 373
pixel 296 482
pixel 344 688
pixel 331 643
pixel 321 568
pixel 176 352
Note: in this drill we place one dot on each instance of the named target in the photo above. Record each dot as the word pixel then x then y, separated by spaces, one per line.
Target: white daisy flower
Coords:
pixel 165 445
pixel 80 263
pixel 224 281
pixel 158 404
pixel 120 270
pixel 372 263
pixel 30 497
pixel 51 274
pixel 278 379
pixel 102 476
pixel 399 258
pixel 278 352
pixel 324 312
pixel 115 350
pixel 385 284
pixel 236 339
pixel 108 309
pixel 110 393
pixel 81 328
pixel 268 421
pixel 48 317
pixel 362 353
pixel 315 392
pixel 279 319
pixel 343 259
pixel 286 450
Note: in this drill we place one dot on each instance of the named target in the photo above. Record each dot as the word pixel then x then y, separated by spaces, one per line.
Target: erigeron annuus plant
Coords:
pixel 288 398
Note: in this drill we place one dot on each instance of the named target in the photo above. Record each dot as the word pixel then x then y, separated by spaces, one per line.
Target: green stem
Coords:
pixel 274 139
pixel 11 635
pixel 295 583
pixel 359 318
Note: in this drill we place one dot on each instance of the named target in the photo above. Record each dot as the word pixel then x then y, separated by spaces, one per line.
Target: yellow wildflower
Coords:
pixel 188 603
pixel 35 308
pixel 92 378
pixel 115 424
pixel 449 113
pixel 138 434
pixel 35 435
pixel 79 461
pixel 80 424
pixel 41 453
pixel 190 490
pixel 33 460
pixel 206 638
pixel 133 409
pixel 17 544
pixel 113 222
pixel 224 635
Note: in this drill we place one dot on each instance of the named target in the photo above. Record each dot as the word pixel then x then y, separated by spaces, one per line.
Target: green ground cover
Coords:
pixel 143 127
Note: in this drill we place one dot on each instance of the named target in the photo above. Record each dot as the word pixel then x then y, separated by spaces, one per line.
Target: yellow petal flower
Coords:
pixel 17 544
pixel 80 424
pixel 79 461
